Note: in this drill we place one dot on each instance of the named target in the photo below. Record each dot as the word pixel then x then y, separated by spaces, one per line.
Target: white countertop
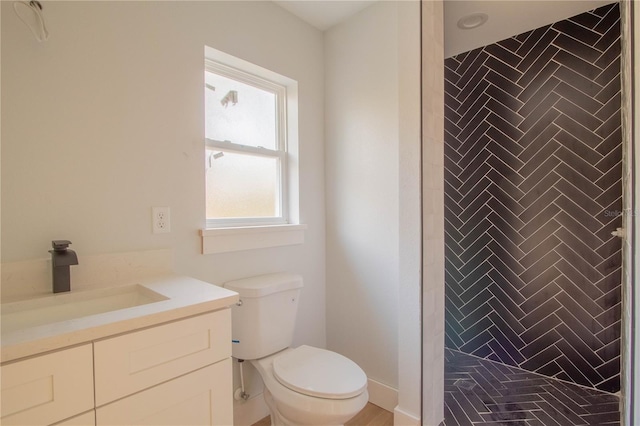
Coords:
pixel 185 297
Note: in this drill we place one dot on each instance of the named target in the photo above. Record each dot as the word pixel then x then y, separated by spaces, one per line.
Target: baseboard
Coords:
pixel 402 418
pixel 382 395
pixel 249 412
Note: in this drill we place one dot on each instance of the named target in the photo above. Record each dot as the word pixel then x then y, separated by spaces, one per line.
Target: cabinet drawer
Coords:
pixel 203 397
pixel 139 360
pixel 48 388
pixel 86 419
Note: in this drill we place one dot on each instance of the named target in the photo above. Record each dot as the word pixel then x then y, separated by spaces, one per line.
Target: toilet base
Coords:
pixel 276 418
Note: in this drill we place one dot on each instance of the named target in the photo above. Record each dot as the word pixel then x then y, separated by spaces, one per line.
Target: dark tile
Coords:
pixel 611 142
pixel 576 286
pixel 610 351
pixel 530 39
pixel 578 228
pixel 472 70
pixel 577 64
pixel 505 162
pixel 579 115
pixel 582 249
pixel 569 304
pixel 588 86
pixel 496 92
pixel 587 19
pixel 539 282
pixel 503 69
pixel 535 80
pixel 535 203
pixel 541 297
pixel 534 47
pixel 583 330
pixel 534 133
pixel 574 258
pixel 610 317
pixel 582 351
pixel 505 127
pixel 505 113
pixel 578 32
pixel 579 98
pixel 541 218
pixel 607 75
pixel 505 290
pixel 507 243
pixel 576 374
pixel 503 54
pixel 545 309
pixel 611 107
pixel 476 342
pixel 541 358
pixel 611 89
pixel 511 44
pixel 577 47
pixel 573 193
pixel 610 385
pixel 470 151
pixel 609 126
pixel 504 83
pixel 504 348
pixel 610 55
pixel 508 211
pixel 610 369
pixel 476 168
pixel 550 369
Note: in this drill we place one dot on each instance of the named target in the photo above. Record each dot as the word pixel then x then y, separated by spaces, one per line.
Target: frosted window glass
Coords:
pixel 252 121
pixel 241 185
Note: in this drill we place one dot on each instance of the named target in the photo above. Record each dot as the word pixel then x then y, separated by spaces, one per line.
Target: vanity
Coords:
pixel 155 353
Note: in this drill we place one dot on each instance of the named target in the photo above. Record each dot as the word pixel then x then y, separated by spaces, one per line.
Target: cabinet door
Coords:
pixel 135 361
pixel 203 397
pixel 47 388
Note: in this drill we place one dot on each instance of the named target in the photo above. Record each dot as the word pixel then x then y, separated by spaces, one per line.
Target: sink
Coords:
pixel 17 316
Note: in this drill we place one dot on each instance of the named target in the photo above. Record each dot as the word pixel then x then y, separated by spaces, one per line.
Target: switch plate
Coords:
pixel 161 220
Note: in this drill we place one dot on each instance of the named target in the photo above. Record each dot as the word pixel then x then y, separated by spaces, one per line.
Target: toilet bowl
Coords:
pixel 303 385
pixel 312 403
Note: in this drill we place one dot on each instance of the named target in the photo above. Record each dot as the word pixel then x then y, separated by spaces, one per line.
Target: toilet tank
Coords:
pixel 264 320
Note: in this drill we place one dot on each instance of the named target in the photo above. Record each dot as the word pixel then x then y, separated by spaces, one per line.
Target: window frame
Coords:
pixel 280 153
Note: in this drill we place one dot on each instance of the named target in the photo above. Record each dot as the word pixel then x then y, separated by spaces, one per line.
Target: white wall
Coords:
pixel 105 120
pixel 372 108
pixel 361 112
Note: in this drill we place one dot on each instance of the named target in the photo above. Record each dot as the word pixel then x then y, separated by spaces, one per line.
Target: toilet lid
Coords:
pixel 320 373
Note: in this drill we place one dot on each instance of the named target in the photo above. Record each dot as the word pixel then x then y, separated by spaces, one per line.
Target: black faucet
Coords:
pixel 61 259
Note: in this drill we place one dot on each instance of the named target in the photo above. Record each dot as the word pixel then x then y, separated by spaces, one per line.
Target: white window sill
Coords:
pixel 223 240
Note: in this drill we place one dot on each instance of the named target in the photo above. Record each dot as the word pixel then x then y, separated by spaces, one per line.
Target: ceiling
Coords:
pixel 506 18
pixel 324 14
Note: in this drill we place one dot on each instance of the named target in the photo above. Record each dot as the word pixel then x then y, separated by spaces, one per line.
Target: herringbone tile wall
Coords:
pixel 532 193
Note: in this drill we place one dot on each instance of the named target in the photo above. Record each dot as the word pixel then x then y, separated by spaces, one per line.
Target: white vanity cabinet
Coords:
pixel 182 368
pixel 175 373
pixel 48 388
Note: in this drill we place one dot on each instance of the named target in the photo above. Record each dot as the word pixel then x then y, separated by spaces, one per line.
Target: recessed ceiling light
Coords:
pixel 472 21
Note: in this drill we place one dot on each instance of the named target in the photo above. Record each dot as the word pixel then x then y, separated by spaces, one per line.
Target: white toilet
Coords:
pixel 305 385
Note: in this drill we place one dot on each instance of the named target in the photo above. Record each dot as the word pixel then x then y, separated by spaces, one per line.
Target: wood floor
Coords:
pixel 371 415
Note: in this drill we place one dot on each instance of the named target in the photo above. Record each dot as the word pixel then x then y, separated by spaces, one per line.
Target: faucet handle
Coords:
pixel 60 245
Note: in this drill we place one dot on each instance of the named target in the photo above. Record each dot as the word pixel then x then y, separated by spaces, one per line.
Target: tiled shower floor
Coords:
pixel 482 392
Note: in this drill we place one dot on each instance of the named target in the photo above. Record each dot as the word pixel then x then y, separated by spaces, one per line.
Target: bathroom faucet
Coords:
pixel 61 259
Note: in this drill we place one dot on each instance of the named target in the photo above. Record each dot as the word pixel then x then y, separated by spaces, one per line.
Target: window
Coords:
pixel 246 148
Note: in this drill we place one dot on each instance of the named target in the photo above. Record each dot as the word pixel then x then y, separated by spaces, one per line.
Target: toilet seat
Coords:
pixel 319 373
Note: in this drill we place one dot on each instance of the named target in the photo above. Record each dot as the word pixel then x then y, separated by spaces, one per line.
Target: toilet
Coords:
pixel 303 385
